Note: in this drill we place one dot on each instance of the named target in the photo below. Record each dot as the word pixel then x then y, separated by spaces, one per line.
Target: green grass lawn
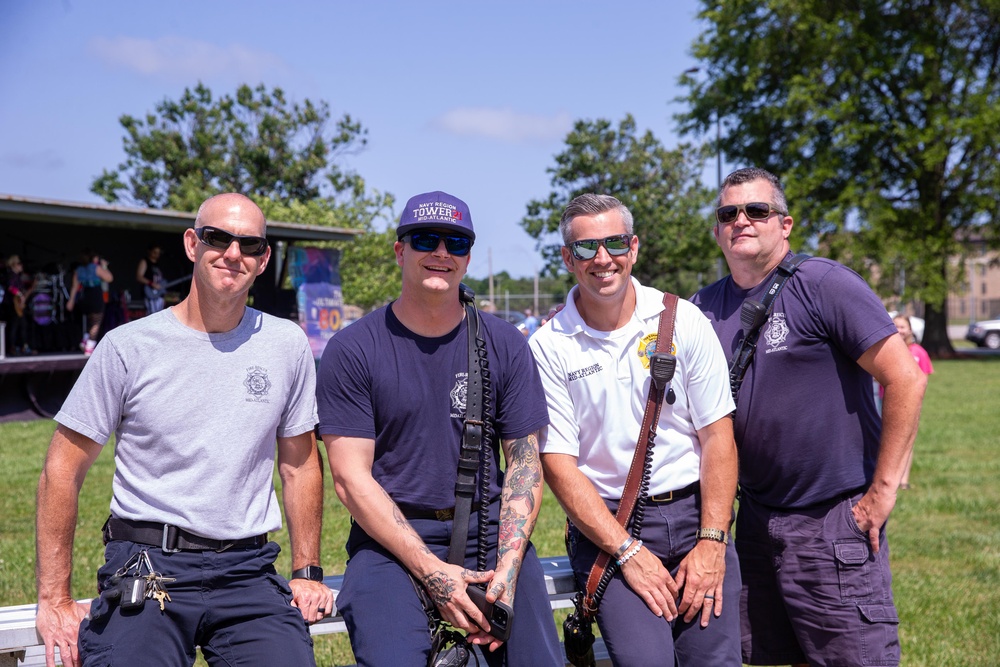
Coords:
pixel 944 534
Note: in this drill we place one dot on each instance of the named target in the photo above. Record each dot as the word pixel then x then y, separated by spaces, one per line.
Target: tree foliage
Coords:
pixel 880 116
pixel 659 186
pixel 283 155
pixel 256 143
pixel 369 276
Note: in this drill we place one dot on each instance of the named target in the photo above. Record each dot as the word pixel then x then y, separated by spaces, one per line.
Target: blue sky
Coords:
pixel 474 98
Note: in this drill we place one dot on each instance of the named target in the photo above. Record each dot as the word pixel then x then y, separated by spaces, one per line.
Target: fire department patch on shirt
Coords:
pixel 647 348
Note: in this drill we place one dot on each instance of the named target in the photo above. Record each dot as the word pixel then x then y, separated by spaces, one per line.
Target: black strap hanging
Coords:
pixel 472 436
pixel 753 314
pixel 449 647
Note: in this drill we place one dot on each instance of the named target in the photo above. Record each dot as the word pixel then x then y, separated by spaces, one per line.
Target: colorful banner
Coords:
pixel 315 275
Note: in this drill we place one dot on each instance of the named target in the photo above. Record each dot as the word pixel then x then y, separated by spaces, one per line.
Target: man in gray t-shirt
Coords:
pixel 196 396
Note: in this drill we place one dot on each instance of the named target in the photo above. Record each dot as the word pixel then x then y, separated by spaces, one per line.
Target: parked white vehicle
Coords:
pixel 985 333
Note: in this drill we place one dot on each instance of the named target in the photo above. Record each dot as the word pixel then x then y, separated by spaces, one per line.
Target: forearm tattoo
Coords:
pixel 524 472
pixel 519 500
pixel 513 536
pixel 439 586
pixel 512 576
pixel 524 451
pixel 401 522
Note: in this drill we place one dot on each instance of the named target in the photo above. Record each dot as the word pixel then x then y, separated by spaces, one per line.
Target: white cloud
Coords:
pixel 183 59
pixel 504 124
pixel 44 160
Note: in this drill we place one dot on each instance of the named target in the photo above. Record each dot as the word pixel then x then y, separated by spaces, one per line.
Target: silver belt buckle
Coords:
pixel 163 544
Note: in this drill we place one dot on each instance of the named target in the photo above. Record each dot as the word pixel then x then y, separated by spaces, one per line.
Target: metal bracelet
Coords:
pixel 630 553
pixel 626 545
pixel 713 534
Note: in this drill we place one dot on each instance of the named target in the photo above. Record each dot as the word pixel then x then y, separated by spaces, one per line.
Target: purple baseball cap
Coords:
pixel 438 210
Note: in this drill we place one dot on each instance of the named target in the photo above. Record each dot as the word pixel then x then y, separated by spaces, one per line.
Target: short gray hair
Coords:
pixel 750 174
pixel 592 204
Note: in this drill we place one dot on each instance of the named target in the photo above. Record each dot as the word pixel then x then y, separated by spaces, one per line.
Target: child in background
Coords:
pixel 920 356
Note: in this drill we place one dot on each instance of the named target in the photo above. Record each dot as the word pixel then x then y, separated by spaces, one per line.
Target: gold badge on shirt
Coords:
pixel 647 347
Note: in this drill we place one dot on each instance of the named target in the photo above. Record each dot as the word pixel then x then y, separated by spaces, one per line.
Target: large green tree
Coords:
pixel 660 187
pixel 254 142
pixel 880 116
pixel 283 155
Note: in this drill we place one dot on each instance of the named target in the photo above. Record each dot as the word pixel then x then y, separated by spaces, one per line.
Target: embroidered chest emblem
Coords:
pixel 458 394
pixel 777 330
pixel 647 348
pixel 257 382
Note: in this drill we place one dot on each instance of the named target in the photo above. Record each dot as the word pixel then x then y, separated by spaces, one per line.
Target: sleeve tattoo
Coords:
pixel 522 484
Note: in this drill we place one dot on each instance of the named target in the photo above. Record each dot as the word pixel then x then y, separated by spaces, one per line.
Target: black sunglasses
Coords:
pixel 616 245
pixel 254 246
pixel 756 210
pixel 428 242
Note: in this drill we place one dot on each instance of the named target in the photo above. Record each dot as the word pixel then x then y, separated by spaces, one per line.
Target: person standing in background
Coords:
pixel 923 360
pixel 530 322
pixel 149 275
pixel 87 279
pixel 17 291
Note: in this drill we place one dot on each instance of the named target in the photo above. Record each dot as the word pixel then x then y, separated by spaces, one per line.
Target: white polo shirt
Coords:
pixel 596 384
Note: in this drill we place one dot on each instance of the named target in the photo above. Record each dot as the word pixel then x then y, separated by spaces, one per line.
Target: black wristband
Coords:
pixel 310 572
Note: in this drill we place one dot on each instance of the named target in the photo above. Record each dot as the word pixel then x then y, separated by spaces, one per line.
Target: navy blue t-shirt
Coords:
pixel 377 379
pixel 806 422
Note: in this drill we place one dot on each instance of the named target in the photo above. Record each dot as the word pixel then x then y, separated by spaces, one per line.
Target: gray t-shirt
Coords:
pixel 195 417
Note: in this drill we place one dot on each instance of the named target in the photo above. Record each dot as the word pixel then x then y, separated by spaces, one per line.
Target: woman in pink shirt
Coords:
pixel 924 362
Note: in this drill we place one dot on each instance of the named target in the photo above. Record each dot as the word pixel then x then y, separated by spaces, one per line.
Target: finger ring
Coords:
pixel 321 610
pixel 709 597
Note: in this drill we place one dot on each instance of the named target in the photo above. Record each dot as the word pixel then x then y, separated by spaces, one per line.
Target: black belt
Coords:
pixel 446 514
pixel 171 538
pixel 671 496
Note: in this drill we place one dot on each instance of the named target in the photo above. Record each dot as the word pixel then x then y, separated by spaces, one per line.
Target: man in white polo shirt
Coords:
pixel 676 590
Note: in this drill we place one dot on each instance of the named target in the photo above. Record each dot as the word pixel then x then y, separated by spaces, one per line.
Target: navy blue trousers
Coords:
pixel 635 637
pixel 386 620
pixel 232 604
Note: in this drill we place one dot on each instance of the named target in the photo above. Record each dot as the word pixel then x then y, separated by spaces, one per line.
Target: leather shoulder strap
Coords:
pixel 650 419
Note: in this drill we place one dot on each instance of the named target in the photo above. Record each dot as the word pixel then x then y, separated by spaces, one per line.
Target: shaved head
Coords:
pixel 228 204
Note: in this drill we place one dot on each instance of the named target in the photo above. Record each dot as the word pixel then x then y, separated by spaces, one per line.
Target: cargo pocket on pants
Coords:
pixel 853 569
pixel 879 634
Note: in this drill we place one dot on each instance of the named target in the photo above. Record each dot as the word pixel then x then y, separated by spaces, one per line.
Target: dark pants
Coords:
pixel 232 604
pixel 813 589
pixel 387 623
pixel 635 637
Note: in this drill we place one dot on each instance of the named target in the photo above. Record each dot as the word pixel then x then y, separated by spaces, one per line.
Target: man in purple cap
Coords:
pixel 392 392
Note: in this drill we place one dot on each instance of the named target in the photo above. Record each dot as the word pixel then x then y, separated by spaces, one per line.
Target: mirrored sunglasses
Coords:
pixel 428 242
pixel 213 237
pixel 756 210
pixel 616 245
